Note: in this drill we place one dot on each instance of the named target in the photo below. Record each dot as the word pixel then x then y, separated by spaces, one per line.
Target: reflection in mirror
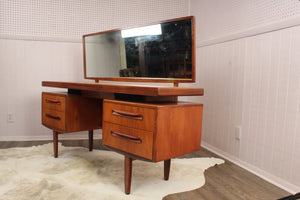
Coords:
pixel 162 50
pixel 104 54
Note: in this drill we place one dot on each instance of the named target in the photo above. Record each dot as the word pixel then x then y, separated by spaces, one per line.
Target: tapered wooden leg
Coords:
pixel 128 174
pixel 55 143
pixel 167 165
pixel 91 137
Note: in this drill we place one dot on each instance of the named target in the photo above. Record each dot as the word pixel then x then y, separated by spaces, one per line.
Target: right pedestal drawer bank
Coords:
pixel 156 132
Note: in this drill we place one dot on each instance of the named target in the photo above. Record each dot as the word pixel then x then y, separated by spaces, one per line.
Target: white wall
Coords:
pixel 219 20
pixel 24 65
pixel 41 40
pixel 69 20
pixel 252 82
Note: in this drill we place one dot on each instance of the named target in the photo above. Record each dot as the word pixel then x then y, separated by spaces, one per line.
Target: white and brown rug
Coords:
pixel 33 174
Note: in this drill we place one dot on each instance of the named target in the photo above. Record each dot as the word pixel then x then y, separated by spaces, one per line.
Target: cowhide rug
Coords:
pixel 33 174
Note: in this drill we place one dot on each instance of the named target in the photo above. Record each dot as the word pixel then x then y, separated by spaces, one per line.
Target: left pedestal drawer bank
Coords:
pixel 64 113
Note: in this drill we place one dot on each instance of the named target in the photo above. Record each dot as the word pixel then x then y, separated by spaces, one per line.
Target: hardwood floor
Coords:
pixel 224 182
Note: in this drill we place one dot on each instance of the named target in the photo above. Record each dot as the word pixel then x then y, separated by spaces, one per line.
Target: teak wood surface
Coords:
pixel 127 88
pixel 153 131
pixel 67 113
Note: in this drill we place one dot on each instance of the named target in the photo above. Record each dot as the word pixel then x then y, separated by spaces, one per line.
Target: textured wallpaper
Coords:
pixel 68 20
pixel 232 18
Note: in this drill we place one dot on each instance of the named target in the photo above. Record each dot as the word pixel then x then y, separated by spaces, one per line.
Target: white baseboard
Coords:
pixel 66 136
pixel 283 184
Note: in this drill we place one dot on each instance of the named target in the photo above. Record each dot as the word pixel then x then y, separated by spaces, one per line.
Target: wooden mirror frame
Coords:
pixel 145 79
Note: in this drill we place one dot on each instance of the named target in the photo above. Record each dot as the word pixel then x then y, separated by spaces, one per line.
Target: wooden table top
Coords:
pixel 147 90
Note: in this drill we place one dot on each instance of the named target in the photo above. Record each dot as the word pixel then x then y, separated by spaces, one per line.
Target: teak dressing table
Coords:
pixel 139 121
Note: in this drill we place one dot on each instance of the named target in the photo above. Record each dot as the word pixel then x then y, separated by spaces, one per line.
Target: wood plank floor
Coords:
pixel 224 182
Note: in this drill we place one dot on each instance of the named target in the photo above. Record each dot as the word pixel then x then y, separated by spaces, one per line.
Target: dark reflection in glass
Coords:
pixel 163 51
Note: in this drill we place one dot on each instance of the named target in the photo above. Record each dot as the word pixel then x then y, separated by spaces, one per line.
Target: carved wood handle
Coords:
pixel 126 137
pixel 52 117
pixel 127 114
pixel 53 101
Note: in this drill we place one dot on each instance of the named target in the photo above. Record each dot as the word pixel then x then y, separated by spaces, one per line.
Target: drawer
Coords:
pixel 130 140
pixel 132 116
pixel 54 119
pixel 53 102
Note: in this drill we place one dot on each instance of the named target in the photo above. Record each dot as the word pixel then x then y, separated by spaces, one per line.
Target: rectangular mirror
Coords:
pixel 160 52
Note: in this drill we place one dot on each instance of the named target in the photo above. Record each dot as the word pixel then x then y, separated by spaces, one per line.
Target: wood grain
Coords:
pixel 145 123
pixel 127 88
pixel 54 102
pixel 143 149
pixel 178 131
pixel 55 143
pixel 173 129
pixel 127 173
pixel 83 114
pixel 73 113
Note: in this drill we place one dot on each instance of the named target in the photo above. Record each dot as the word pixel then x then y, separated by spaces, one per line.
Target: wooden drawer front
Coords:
pixel 130 140
pixel 54 119
pixel 131 116
pixel 54 102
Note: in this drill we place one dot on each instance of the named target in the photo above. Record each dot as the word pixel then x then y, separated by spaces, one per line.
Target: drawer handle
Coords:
pixel 126 137
pixel 127 114
pixel 53 101
pixel 52 117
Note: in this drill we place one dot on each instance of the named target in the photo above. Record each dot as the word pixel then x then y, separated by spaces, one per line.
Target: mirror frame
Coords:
pixel 146 79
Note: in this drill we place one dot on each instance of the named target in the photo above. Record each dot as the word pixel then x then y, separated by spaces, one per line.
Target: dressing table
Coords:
pixel 145 122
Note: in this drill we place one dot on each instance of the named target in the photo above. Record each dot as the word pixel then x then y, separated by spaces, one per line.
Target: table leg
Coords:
pixel 55 143
pixel 167 165
pixel 128 174
pixel 91 137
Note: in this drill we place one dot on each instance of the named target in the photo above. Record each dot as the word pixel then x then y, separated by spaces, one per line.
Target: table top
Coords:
pixel 147 90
